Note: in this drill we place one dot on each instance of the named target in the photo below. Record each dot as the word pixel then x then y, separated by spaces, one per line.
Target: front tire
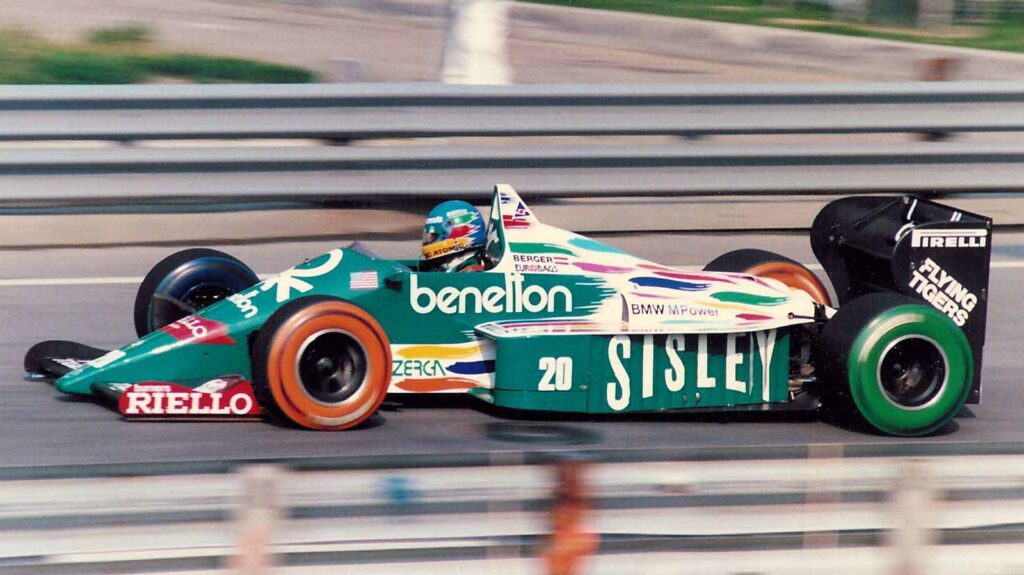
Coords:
pixel 902 366
pixel 321 363
pixel 185 282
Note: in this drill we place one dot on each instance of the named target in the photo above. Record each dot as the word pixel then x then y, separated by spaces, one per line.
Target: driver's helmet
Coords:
pixel 453 229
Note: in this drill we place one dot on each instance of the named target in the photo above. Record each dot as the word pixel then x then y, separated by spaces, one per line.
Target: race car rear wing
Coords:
pixel 913 246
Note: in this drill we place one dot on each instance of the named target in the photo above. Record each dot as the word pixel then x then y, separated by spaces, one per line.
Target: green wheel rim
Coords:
pixel 935 405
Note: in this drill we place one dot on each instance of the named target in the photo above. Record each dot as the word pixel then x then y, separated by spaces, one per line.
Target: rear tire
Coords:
pixel 321 363
pixel 194 278
pixel 900 365
pixel 765 264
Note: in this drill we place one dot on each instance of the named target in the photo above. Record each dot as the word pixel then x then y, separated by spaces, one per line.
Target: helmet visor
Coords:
pixel 445 248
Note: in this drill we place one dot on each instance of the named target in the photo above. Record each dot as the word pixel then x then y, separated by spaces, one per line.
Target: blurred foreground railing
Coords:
pixel 956 515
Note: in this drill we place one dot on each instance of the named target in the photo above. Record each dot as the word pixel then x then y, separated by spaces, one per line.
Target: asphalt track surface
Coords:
pixel 86 295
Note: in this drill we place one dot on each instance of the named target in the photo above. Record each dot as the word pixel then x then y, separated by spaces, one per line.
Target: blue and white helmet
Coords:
pixel 453 227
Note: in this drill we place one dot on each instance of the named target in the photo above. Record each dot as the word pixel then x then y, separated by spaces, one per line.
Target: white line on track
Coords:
pixel 1012 264
pixel 34 282
pixel 113 280
pixel 130 280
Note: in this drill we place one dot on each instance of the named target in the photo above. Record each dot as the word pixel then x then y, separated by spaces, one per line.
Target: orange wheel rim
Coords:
pixel 794 276
pixel 288 391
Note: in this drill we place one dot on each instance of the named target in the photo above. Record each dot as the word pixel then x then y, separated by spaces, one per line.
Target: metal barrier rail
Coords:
pixel 148 175
pixel 350 112
pixel 866 515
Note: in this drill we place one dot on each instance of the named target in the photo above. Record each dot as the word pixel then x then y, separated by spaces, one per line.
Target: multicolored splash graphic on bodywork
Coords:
pixel 648 297
pixel 442 368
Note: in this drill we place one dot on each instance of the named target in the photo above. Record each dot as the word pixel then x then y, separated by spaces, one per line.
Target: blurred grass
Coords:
pixel 1004 32
pixel 737 11
pixel 124 56
pixel 128 34
pixel 210 69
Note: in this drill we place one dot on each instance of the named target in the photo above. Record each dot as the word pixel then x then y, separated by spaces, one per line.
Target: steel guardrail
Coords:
pixel 349 112
pixel 427 141
pixel 384 174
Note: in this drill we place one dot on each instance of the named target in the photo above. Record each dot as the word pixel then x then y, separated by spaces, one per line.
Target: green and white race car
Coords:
pixel 558 322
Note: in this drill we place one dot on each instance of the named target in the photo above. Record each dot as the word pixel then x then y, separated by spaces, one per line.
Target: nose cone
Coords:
pixel 80 381
pixel 191 349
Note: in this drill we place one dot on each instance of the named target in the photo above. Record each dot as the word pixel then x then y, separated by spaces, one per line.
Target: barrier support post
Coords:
pixel 912 508
pixel 256 517
pixel 571 542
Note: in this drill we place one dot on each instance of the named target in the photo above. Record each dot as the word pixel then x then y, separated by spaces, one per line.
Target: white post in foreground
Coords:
pixel 913 507
pixel 256 516
pixel 474 45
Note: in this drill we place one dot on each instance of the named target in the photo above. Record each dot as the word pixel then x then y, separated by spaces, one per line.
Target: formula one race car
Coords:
pixel 561 323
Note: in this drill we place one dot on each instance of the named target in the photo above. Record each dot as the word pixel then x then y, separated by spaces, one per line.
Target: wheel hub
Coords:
pixel 912 372
pixel 207 295
pixel 166 309
pixel 332 366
